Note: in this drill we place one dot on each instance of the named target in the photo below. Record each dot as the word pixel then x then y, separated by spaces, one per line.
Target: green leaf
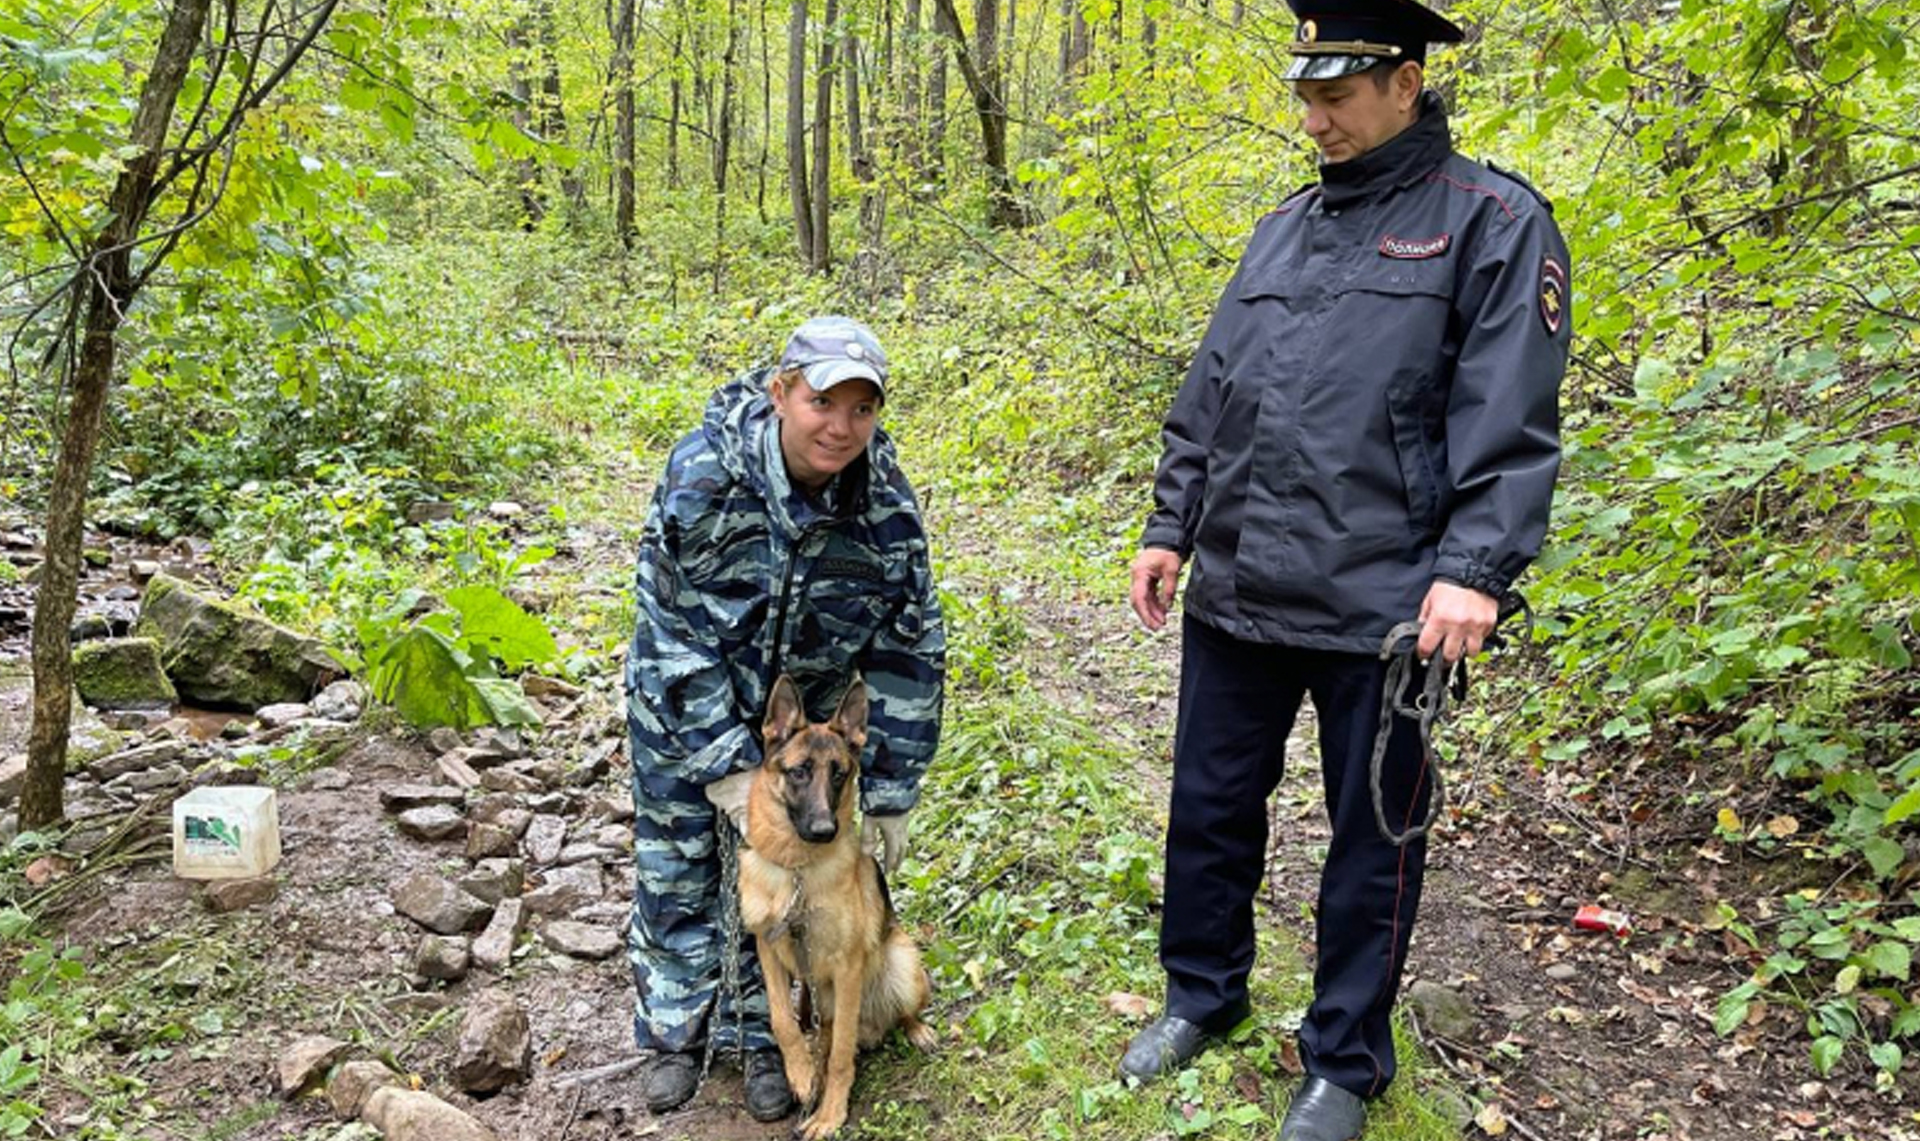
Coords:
pixel 505 701
pixel 1733 1009
pixel 420 674
pixel 1884 855
pixel 1906 806
pixel 1886 1055
pixel 1892 960
pixel 492 621
pixel 1826 1053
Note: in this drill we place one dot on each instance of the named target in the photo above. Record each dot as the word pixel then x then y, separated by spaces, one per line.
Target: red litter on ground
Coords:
pixel 1593 918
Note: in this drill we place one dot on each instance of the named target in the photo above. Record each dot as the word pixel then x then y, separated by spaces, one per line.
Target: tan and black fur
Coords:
pixel 818 907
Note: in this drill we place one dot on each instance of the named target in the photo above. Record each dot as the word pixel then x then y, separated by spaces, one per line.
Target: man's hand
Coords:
pixel 729 795
pixel 1156 572
pixel 1455 620
pixel 884 838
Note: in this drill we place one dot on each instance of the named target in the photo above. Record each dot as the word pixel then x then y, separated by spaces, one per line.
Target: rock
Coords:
pixel 443 740
pixel 580 940
pixel 330 780
pixel 90 627
pixel 475 758
pixel 510 779
pixel 143 570
pixel 584 852
pixel 97 557
pixel 535 685
pixel 283 713
pixel 493 950
pixel 490 808
pixel 437 905
pixel 551 803
pixel 13 774
pixel 218 655
pixel 441 957
pixel 533 599
pixel 223 896
pixel 495 1047
pixel 341 701
pixel 401 797
pixel 615 808
pixel 546 835
pixel 89 740
pixel 121 593
pixel 145 781
pixel 617 837
pixel 506 742
pixel 307 1061
pixel 235 730
pixel 1563 972
pixel 433 822
pixel 505 509
pixel 458 771
pixel 120 617
pixel 9 827
pixel 136 760
pixel 489 840
pixel 423 511
pixel 354 1083
pixel 593 767
pixel 122 673
pixel 1443 1010
pixel 564 890
pixel 495 880
pixel 416 1115
pixel 417 1004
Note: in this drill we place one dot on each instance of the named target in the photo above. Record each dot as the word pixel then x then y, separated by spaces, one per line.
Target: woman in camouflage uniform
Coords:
pixel 783 538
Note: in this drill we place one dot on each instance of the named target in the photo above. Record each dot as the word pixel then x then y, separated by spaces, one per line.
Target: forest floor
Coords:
pixel 1525 1025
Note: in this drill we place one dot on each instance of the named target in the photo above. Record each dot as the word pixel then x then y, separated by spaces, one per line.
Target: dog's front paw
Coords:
pixel 823 1123
pixel 923 1037
pixel 802 1079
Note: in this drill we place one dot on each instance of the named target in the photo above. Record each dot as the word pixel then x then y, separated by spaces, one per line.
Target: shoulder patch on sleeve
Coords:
pixel 1553 294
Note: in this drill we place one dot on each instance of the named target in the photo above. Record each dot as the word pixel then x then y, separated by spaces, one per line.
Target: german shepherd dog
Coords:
pixel 818 906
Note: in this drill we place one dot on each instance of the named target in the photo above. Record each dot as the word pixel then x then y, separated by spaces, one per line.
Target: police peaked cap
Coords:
pixel 1341 37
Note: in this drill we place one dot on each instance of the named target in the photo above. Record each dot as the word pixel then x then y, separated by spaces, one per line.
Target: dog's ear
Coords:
pixel 850 720
pixel 785 714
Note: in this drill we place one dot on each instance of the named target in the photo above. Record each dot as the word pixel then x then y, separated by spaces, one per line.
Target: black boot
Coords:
pixel 1322 1111
pixel 672 1080
pixel 768 1096
pixel 1163 1046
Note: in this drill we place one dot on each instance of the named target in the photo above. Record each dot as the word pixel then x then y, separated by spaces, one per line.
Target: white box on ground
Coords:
pixel 230 832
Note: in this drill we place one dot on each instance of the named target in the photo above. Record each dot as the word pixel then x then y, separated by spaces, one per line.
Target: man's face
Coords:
pixel 1349 116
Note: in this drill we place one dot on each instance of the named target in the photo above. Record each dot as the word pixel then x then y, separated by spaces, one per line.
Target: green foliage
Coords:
pixel 440 669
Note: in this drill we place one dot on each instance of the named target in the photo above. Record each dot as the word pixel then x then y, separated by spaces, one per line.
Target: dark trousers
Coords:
pixel 1237 705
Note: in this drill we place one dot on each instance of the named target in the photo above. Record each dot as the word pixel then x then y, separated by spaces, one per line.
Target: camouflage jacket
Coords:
pixel 740 578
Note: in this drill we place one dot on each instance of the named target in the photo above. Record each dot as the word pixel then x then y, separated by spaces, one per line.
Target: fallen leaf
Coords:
pixel 47 869
pixel 553 1056
pixel 1781 827
pixel 1491 1119
pixel 1129 1006
pixel 1247 1084
pixel 1290 1057
pixel 1729 821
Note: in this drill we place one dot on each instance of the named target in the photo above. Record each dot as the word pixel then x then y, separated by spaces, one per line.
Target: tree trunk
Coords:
pixel 933 172
pixel 860 156
pixel 823 142
pixel 553 112
pixel 723 144
pixel 766 114
pixel 983 83
pixel 912 54
pixel 674 87
pixel 797 129
pixel 624 121
pixel 531 187
pixel 109 291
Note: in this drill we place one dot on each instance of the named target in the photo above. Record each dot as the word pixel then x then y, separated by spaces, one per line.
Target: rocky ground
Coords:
pixel 448 909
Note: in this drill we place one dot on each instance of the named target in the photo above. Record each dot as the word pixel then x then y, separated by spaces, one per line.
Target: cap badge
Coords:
pixel 1309 32
pixel 856 351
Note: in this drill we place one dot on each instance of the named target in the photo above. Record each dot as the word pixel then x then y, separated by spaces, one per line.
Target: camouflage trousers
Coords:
pixel 674 940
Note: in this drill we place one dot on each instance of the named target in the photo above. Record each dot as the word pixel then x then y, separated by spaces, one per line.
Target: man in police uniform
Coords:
pixel 1368 434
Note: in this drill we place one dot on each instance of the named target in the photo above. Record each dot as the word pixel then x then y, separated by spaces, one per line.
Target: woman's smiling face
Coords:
pixel 822 432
